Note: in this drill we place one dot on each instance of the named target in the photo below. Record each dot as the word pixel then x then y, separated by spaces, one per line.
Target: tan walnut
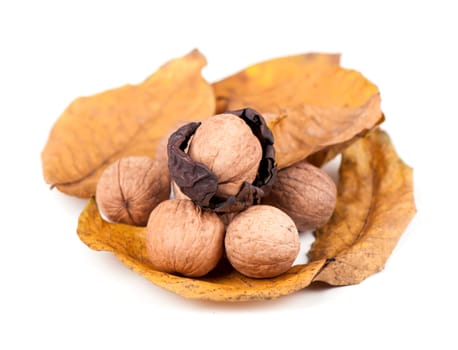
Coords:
pixel 182 238
pixel 130 188
pixel 228 147
pixel 306 193
pixel 262 242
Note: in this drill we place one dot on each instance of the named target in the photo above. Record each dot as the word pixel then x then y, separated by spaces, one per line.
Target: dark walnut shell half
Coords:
pixel 199 183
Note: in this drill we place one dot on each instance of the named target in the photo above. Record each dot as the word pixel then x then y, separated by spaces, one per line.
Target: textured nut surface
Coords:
pixel 226 144
pixel 262 242
pixel 306 193
pixel 182 238
pixel 130 188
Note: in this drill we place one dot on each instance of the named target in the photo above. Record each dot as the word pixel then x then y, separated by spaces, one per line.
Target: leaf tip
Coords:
pixel 198 56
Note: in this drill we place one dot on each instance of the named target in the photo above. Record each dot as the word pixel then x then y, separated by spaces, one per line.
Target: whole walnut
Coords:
pixel 130 188
pixel 306 193
pixel 262 242
pixel 182 238
pixel 228 147
pixel 226 159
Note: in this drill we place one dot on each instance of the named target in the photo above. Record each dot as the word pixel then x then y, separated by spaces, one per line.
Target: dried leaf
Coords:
pixel 308 129
pixel 287 81
pixel 223 284
pixel 318 104
pixel 375 204
pixel 128 121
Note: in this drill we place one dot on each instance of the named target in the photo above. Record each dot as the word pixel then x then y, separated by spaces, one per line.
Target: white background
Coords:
pixel 56 292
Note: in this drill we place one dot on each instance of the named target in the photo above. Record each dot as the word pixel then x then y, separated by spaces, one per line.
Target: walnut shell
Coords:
pixel 199 183
pixel 228 147
pixel 262 242
pixel 306 193
pixel 182 238
pixel 130 188
pixel 161 149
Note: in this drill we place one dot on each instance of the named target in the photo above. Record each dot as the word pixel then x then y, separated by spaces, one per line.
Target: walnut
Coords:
pixel 306 193
pixel 262 242
pixel 231 160
pixel 182 238
pixel 228 147
pixel 130 188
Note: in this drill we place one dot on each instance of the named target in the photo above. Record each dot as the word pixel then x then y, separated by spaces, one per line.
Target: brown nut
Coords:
pixel 228 147
pixel 130 188
pixel 262 241
pixel 306 193
pixel 182 238
pixel 199 183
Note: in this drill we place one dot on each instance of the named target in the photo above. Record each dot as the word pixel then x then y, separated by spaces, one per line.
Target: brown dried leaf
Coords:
pixel 375 203
pixel 128 121
pixel 223 284
pixel 319 105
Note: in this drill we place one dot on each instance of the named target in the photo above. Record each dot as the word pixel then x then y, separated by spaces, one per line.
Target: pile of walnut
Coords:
pixel 228 199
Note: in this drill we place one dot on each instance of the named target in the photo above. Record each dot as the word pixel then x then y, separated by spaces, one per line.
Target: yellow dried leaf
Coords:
pixel 285 81
pixel 128 121
pixel 375 204
pixel 318 104
pixel 308 129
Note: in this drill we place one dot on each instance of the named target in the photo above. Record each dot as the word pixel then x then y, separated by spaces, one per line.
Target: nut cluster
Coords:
pixel 220 171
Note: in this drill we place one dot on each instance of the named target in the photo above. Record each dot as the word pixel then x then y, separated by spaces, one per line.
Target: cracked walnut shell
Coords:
pixel 130 188
pixel 182 238
pixel 262 242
